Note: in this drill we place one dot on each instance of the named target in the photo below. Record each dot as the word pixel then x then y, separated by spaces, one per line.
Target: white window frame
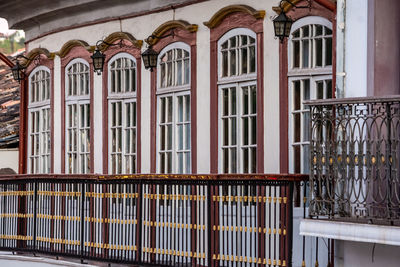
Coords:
pixel 78 100
pixel 124 98
pixel 309 20
pixel 238 82
pixel 313 74
pixel 174 92
pixel 239 115
pixel 35 107
pixel 225 37
pixel 313 95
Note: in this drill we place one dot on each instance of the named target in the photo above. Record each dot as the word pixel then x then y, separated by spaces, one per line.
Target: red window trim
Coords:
pixel 316 10
pixel 76 52
pixel 24 116
pixel 232 21
pixel 110 52
pixel 189 38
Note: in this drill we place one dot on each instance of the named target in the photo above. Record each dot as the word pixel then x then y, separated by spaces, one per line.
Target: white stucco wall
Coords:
pixel 356 32
pixel 360 254
pixel 9 158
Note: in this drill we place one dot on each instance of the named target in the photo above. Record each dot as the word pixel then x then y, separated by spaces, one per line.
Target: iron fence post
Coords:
pixel 82 219
pixel 209 227
pixel 35 200
pixel 140 222
pixel 388 158
pixel 290 224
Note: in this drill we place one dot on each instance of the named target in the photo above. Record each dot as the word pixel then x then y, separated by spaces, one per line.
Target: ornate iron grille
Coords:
pixel 354 159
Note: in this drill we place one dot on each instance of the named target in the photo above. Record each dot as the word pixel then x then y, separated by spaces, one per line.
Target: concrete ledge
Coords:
pixel 389 235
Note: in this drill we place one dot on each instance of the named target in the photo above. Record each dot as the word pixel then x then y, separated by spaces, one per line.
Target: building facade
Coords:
pixel 226 95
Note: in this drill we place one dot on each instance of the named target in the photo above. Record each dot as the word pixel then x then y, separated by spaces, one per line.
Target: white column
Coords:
pixel 98 120
pixel 203 100
pixel 271 99
pixel 356 48
pixel 145 120
pixel 57 115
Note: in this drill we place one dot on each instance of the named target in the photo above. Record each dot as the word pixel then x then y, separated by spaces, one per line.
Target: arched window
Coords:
pixel 310 77
pixel 77 117
pixel 39 121
pixel 237 85
pixel 173 118
pixel 122 126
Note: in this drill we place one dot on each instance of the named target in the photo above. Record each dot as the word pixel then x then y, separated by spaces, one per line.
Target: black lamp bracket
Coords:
pixel 101 42
pixel 150 40
pixel 289 2
pixel 36 60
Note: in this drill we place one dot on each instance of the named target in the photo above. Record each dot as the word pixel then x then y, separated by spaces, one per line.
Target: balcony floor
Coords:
pixel 389 235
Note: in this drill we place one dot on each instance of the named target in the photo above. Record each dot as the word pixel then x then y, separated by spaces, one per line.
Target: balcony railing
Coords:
pixel 355 159
pixel 197 220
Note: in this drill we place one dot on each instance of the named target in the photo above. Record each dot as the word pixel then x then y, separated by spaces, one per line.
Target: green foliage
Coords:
pixel 9 45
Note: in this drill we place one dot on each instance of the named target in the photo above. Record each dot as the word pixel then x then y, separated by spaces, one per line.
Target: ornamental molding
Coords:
pixel 286 6
pixel 169 25
pixel 69 45
pixel 115 36
pixel 224 12
pixel 34 54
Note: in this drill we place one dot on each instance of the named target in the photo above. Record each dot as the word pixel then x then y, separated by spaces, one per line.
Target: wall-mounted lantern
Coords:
pixel 282 23
pixel 149 58
pixel 98 61
pixel 18 70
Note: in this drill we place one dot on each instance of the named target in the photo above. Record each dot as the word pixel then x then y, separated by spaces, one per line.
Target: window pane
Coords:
pixel 320 90
pixel 253 130
pixel 253 99
pixel 245 101
pixel 233 131
pixel 225 104
pixel 233 62
pixel 224 64
pixel 318 52
pixel 233 163
pixel 245 156
pixel 188 137
pixel 306 53
pixel 296 122
pixel 244 60
pixel 233 101
pixel 252 58
pixel 329 89
pixel 245 132
pixel 328 51
pixel 225 127
pixel 296 54
pixel 296 100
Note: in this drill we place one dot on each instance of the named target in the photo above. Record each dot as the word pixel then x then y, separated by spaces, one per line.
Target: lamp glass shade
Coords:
pixel 282 26
pixel 17 72
pixel 98 61
pixel 150 58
